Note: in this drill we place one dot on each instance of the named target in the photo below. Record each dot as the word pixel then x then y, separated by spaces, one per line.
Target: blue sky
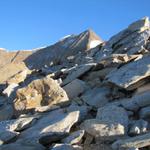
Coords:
pixel 28 24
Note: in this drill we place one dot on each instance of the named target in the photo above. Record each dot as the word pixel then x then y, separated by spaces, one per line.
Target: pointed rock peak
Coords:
pixel 142 24
pixel 92 34
pixel 93 38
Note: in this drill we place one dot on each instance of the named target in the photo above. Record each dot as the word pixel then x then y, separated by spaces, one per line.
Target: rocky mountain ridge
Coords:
pixel 81 93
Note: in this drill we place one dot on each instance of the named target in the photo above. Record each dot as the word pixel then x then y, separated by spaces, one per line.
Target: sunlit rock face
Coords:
pixel 79 93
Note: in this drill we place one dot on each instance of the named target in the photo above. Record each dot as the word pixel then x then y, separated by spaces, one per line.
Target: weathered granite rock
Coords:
pixel 131 75
pixel 114 114
pixel 9 129
pixel 53 123
pixel 75 88
pixel 105 130
pixel 66 147
pixel 96 97
pixel 77 72
pixel 17 124
pixel 40 92
pixel 145 112
pixel 74 138
pixel 134 142
pixel 98 74
pixel 117 59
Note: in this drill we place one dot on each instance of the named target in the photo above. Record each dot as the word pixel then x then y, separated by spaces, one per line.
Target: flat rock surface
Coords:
pixel 129 75
pixel 52 123
pixel 96 97
pixel 114 114
pixel 105 130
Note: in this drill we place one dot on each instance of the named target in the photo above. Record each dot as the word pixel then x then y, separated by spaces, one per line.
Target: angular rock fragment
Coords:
pixel 117 59
pixel 105 130
pixel 53 123
pixel 131 75
pixel 134 142
pixel 17 124
pixel 98 74
pixel 137 101
pixel 96 97
pixel 74 138
pixel 83 110
pixel 130 41
pixel 77 72
pixel 40 92
pixel 114 114
pixel 75 88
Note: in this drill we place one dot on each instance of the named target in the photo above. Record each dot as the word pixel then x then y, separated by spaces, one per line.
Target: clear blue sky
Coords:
pixel 27 24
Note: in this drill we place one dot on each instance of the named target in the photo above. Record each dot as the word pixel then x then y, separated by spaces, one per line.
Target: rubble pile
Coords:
pixel 81 93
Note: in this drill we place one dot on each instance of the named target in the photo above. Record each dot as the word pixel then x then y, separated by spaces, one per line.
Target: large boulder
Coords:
pixel 114 114
pixel 75 88
pixel 105 130
pixel 77 72
pixel 96 97
pixel 54 124
pixel 40 92
pixel 131 75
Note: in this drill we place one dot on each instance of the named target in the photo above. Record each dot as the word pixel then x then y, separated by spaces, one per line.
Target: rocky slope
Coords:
pixel 79 94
